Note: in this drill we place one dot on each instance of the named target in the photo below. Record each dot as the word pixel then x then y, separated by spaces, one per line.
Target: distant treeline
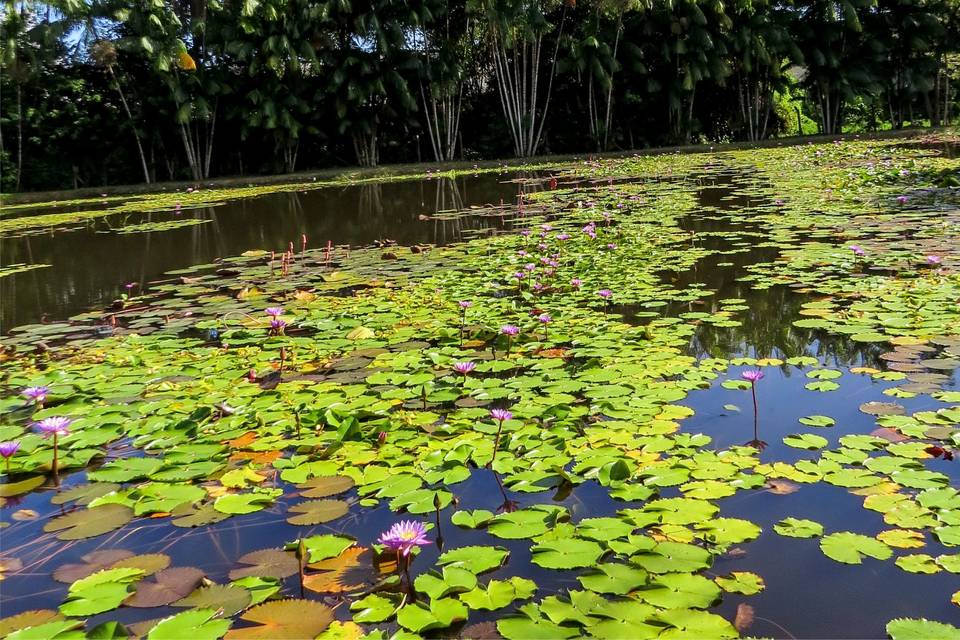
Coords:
pixel 97 92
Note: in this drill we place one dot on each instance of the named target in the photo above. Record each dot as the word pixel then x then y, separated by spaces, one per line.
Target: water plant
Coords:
pixel 55 427
pixel 511 331
pixel 7 450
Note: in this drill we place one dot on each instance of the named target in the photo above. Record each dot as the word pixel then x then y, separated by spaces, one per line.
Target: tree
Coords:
pixel 761 48
pixel 516 33
pixel 830 35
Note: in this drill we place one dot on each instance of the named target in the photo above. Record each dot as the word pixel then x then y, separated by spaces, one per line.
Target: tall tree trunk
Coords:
pixel 19 136
pixel 607 118
pixel 133 125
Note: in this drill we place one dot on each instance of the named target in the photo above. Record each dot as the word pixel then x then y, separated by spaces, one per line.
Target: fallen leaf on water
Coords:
pixel 888 434
pixel 782 487
pixel 744 618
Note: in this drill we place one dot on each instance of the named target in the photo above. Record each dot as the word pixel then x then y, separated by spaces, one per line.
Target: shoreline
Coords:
pixel 414 170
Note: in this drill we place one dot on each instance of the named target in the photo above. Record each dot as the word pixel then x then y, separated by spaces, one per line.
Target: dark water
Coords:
pixel 91 264
pixel 807 596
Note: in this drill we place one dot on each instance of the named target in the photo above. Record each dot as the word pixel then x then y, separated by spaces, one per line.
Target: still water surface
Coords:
pixel 91 264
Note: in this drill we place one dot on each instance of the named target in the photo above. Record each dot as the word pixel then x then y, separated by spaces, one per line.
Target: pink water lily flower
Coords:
pixel 274 312
pixel 932 260
pixel 509 330
pixel 606 294
pixel 752 376
pixel 501 415
pixel 857 250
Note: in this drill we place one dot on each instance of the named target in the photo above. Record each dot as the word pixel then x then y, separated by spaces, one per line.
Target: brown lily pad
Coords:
pixel 166 587
pixel 284 620
pixel 323 486
pixel 266 563
pixel 882 409
pixel 87 523
pixel 27 619
pixel 313 512
pixel 92 562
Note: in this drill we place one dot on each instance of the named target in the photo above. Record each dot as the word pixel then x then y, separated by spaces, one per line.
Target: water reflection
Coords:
pixel 90 263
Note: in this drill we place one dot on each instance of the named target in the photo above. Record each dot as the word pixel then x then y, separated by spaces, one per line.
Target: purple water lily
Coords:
pixel 277 327
pixel 510 331
pixel 753 377
pixel 7 449
pixel 501 416
pixel 54 426
pixel 57 427
pixel 37 395
pixel 606 294
pixel 576 282
pixel 404 536
pixel 274 312
pixel 934 260
pixel 464 304
pixel 857 250
pixel 903 199
pixel 464 367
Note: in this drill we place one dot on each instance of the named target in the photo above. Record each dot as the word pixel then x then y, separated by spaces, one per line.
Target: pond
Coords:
pixel 699 395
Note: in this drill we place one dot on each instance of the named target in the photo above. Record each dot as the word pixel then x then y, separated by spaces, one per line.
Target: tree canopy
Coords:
pixel 98 92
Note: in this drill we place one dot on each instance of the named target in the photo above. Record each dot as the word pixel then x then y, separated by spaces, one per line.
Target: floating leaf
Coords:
pixel 918 563
pixel 323 486
pixel 283 620
pixel 882 409
pixel 87 523
pixel 353 570
pixel 921 629
pixel 850 548
pixel 741 582
pixel 167 586
pixel 219 597
pixel 33 618
pixel 798 528
pixel 317 511
pixel 266 563
pixel 440 614
pixel 615 579
pixel 818 421
pixel 197 624
pixel 805 441
pixel 475 559
pixel 566 554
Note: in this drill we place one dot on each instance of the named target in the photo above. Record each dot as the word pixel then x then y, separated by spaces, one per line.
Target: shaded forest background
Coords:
pixel 97 92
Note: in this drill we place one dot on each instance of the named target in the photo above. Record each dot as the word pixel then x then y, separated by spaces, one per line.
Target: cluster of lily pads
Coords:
pixel 334 389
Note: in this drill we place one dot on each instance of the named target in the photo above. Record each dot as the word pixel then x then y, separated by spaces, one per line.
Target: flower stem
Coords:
pixel 496 443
